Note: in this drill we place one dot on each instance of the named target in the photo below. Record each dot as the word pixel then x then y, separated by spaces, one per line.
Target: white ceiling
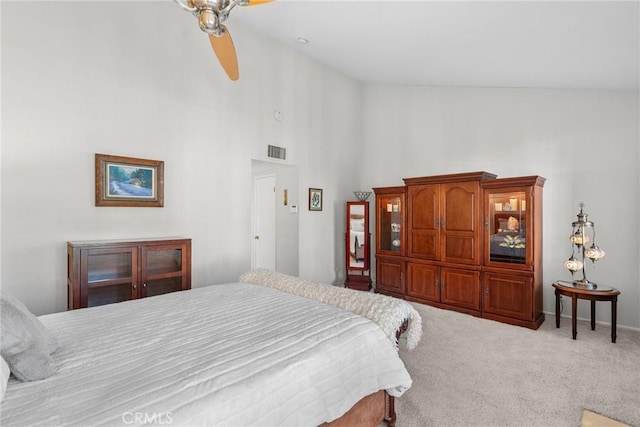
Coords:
pixel 530 44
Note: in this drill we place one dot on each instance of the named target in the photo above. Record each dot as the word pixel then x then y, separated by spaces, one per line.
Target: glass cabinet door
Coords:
pixel 111 276
pixel 507 226
pixel 162 269
pixel 390 214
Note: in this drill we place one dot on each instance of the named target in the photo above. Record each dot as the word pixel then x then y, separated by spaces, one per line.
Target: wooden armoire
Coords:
pixel 469 242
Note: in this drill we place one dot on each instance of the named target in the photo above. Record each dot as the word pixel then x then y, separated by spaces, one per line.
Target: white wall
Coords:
pixel 139 79
pixel 586 143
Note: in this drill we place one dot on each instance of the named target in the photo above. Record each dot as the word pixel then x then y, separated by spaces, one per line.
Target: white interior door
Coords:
pixel 263 254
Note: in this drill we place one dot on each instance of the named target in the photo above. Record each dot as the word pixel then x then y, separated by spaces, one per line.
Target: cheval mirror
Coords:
pixel 357 246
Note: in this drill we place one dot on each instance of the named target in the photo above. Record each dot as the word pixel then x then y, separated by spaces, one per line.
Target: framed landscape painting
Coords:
pixel 126 181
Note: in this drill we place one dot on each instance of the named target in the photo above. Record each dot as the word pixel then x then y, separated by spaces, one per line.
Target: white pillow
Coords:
pixel 26 345
pixel 4 377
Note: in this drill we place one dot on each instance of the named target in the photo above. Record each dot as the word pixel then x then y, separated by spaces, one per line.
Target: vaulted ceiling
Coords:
pixel 524 44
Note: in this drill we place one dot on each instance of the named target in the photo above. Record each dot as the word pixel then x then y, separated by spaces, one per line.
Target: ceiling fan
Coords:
pixel 211 14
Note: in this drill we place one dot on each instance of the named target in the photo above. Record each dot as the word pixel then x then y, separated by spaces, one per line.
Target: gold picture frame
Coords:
pixel 128 181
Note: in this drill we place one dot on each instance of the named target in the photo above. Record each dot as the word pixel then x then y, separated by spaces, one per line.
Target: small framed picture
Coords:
pixel 126 181
pixel 315 199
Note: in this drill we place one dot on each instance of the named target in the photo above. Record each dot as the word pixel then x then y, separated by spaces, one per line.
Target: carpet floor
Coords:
pixel 469 371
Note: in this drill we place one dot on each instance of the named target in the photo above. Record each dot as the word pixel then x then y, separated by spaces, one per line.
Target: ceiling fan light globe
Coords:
pixel 209 22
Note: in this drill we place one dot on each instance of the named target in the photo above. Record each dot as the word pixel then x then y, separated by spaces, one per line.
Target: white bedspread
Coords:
pixel 223 355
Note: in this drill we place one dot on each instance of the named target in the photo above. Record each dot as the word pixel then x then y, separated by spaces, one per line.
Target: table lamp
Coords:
pixel 583 232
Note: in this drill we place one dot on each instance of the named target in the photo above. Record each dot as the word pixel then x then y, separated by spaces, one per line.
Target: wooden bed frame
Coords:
pixel 370 411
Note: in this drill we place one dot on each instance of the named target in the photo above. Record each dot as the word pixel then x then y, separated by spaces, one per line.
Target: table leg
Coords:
pixel 614 315
pixel 557 309
pixel 593 315
pixel 574 316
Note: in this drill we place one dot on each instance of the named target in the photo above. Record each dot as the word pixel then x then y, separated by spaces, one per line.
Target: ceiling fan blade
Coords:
pixel 226 53
pixel 257 2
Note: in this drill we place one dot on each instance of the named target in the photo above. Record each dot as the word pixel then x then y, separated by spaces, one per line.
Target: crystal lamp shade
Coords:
pixel 594 253
pixel 573 264
pixel 578 238
pixel 362 195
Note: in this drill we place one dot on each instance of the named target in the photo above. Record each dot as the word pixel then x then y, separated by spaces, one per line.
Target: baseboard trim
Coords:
pixel 551 317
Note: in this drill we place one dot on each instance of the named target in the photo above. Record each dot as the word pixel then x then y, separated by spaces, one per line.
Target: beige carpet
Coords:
pixel 475 372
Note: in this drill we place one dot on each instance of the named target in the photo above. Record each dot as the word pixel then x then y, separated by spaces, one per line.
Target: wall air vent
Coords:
pixel 276 152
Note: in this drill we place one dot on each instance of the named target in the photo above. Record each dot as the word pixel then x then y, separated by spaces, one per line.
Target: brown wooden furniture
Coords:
pixel 370 411
pixel 390 240
pixel 601 293
pixel 452 251
pixel 512 267
pixel 357 238
pixel 107 271
pixel 444 240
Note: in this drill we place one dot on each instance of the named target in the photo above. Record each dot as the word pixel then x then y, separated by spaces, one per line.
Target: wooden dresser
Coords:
pixel 108 271
pixel 454 241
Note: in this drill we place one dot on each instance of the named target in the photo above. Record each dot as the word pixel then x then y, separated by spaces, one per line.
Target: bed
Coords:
pixel 269 350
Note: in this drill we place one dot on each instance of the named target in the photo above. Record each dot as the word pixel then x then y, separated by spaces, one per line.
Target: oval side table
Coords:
pixel 600 293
